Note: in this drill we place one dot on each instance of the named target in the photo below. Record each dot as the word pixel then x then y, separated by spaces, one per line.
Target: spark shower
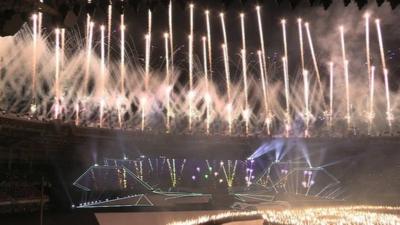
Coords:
pixel 91 87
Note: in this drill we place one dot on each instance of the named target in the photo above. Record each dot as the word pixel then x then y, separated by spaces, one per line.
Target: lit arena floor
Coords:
pixel 299 216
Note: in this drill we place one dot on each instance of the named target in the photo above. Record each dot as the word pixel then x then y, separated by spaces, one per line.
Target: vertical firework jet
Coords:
pixel 228 89
pixel 62 48
pixel 102 76
pixel 310 42
pixel 109 24
pixel 209 42
pixel 122 56
pixel 300 28
pixel 261 33
pixel 62 62
pixel 88 19
pixel 34 59
pixel 267 117
pixel 171 34
pixel 306 102
pixel 88 57
pixel 226 57
pixel 283 22
pixel 167 81
pixel 57 107
pixel 389 115
pixel 148 52
pixel 122 71
pixel 246 112
pixel 40 21
pixel 207 97
pixel 330 94
pixel 227 73
pixel 371 100
pixel 346 75
pixel 191 92
pixel 147 70
pixel 287 96
pixel 367 47
pixel 286 78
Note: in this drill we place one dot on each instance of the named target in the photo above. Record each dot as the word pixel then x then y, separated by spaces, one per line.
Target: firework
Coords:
pixel 167 80
pixel 34 58
pixel 300 28
pixel 330 94
pixel 209 44
pixel 109 24
pixel 171 40
pixel 191 93
pixel 207 97
pixel 261 33
pixel 244 70
pixel 57 77
pixel 306 101
pixel 102 77
pixel 287 95
pixel 310 42
pixel 346 75
pixel 88 55
pixel 389 115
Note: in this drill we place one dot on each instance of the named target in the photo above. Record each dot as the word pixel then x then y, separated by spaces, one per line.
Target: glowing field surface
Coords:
pixel 324 215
